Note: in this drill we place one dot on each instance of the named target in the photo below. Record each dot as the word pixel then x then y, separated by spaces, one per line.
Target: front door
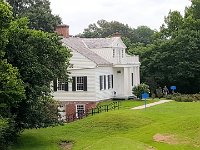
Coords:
pixel 118 81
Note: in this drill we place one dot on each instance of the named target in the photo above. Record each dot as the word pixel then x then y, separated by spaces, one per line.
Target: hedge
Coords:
pixel 185 97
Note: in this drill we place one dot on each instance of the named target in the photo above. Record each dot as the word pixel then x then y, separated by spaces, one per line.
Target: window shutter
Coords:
pixel 55 85
pixel 85 83
pixel 104 82
pixel 73 83
pixel 108 81
pixel 112 80
pixel 66 86
pixel 100 82
pixel 132 78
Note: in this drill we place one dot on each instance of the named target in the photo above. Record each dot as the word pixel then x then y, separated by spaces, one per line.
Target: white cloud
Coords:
pixel 78 14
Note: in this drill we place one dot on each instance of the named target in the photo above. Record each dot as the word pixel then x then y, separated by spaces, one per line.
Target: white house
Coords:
pixel 100 69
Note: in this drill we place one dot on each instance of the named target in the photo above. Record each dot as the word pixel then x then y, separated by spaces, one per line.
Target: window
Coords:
pixel 113 53
pixel 79 83
pixel 80 110
pixel 106 82
pixel 110 80
pixel 102 82
pixel 122 53
pixel 59 85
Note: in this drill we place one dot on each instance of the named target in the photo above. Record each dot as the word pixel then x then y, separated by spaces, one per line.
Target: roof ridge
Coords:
pixel 78 45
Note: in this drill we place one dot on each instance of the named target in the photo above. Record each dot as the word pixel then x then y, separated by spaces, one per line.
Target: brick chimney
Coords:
pixel 63 30
pixel 117 34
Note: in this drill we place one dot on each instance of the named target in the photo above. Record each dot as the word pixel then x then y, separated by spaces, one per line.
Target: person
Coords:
pixel 159 92
pixel 165 90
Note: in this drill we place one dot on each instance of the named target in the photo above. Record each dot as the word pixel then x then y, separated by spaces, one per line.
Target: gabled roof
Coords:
pixel 80 46
pixel 97 43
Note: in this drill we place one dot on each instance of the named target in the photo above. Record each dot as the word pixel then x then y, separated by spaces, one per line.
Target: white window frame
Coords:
pixel 82 105
pixel 79 84
pixel 60 85
pixel 103 83
pixel 110 82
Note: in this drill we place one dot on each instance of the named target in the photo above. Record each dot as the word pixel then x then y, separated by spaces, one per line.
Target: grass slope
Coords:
pixel 123 129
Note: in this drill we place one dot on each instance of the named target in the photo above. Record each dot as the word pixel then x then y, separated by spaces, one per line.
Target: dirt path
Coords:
pixel 152 104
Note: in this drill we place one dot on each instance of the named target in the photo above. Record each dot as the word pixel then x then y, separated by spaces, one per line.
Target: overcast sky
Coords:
pixel 78 14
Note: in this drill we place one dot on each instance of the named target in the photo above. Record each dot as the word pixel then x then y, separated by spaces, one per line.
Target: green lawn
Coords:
pixel 124 129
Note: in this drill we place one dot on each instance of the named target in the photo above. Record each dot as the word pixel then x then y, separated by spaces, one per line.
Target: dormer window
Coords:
pixel 113 53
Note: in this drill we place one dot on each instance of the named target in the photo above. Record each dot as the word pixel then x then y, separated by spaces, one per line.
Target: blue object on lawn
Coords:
pixel 145 95
pixel 173 87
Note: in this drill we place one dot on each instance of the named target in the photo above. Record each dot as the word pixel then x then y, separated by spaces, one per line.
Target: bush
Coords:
pixel 185 97
pixel 138 90
pixel 7 133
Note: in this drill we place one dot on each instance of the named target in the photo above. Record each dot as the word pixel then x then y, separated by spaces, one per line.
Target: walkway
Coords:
pixel 152 104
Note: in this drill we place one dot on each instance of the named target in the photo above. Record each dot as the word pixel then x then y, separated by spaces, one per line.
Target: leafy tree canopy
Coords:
pixel 103 28
pixel 40 58
pixel 38 12
pixel 174 57
pixel 11 86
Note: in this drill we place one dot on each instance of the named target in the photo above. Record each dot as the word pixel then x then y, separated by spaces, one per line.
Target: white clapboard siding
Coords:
pixel 107 93
pixel 89 95
pixel 106 53
pixel 79 61
pixel 122 84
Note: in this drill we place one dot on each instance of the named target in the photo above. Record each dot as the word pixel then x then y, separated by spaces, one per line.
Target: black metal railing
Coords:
pixel 90 112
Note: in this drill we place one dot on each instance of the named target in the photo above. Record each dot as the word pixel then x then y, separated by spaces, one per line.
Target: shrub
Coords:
pixel 185 97
pixel 138 90
pixel 7 133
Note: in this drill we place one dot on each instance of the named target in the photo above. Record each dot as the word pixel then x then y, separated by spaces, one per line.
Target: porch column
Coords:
pixel 137 75
pixel 126 86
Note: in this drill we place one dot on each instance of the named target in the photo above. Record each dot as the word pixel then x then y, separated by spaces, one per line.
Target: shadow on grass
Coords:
pixel 30 142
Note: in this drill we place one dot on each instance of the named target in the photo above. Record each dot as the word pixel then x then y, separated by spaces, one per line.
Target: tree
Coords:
pixel 144 34
pixel 175 60
pixel 5 19
pixel 40 58
pixel 104 29
pixel 38 12
pixel 130 36
pixel 11 89
pixel 173 22
pixel 193 10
